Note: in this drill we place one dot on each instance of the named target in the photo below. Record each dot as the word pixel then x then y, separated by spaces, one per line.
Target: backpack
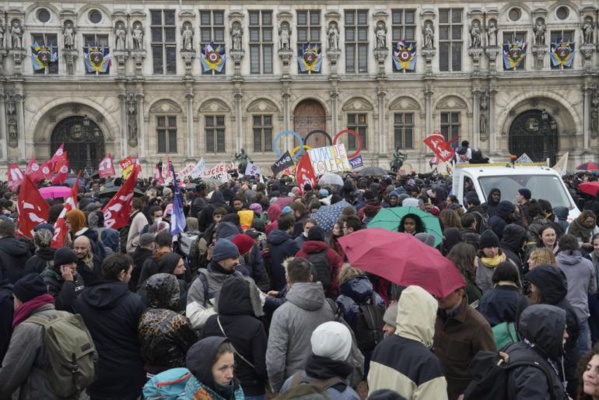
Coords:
pixel 299 378
pixel 483 225
pixel 186 240
pixel 71 352
pixel 490 370
pixel 167 385
pixel 322 268
pixel 369 325
pixel 462 150
pixel 505 334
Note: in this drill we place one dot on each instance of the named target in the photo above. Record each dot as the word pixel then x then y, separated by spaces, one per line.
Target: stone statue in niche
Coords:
pixel 381 35
pixel 333 36
pixel 595 114
pixel 236 35
pixel 492 33
pixel 16 35
pixel 285 37
pixel 187 36
pixel 132 120
pixel 475 34
pixel 68 35
pixel 429 35
pixel 1 35
pixel 121 37
pixel 540 29
pixel 138 36
pixel 588 29
pixel 484 107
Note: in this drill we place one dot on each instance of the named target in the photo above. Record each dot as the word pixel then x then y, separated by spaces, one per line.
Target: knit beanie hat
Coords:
pixel 243 242
pixel 64 256
pixel 390 316
pixel 488 239
pixel 526 193
pixel 316 233
pixel 29 287
pixel 224 249
pixel 331 340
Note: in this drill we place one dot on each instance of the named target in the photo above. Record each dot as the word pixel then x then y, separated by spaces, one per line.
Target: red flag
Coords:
pixel 116 212
pixel 304 173
pixel 47 170
pixel 106 167
pixel 439 146
pixel 157 177
pixel 60 227
pixel 58 158
pixel 33 209
pixel 34 171
pixel 15 176
pixel 62 174
pixel 126 162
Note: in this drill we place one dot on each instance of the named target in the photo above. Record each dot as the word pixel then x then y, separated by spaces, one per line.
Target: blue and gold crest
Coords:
pixel 513 54
pixel 404 56
pixel 97 59
pixel 562 53
pixel 42 55
pixel 213 58
pixel 310 58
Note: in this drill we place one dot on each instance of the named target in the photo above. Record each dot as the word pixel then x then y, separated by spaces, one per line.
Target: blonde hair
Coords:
pixel 543 256
pixel 348 272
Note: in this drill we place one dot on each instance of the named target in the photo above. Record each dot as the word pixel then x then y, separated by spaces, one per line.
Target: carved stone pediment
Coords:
pixel 262 106
pixel 357 105
pixel 404 103
pixel 452 102
pixel 215 106
pixel 165 106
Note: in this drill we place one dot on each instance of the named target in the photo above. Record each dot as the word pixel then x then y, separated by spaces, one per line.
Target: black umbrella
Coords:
pixel 373 171
pixel 112 191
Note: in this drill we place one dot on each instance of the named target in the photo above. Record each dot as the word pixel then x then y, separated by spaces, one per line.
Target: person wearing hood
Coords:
pixel 543 331
pixel 174 264
pixel 211 362
pixel 110 238
pixel 274 212
pixel 316 245
pixel 251 262
pixel 294 321
pixel 44 254
pixel 239 309
pixel 208 283
pixel 111 313
pixel 282 246
pixel 403 362
pixel 548 286
pixel 582 282
pixel 493 200
pixel 14 253
pixel 163 245
pixel 205 218
pixel 489 257
pixel 512 244
pixel 165 336
pixel 504 215
pixel 62 280
pixel 392 200
pixel 327 363
pixel 143 251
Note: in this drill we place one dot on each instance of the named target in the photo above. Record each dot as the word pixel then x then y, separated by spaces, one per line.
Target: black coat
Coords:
pixel 140 255
pixel 112 313
pixel 90 275
pixel 502 304
pixel 42 258
pixel 14 253
pixel 281 247
pixel 6 311
pixel 245 331
pixel 64 292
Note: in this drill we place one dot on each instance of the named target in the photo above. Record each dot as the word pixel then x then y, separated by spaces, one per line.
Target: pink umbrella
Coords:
pixel 402 259
pixel 52 192
pixel 284 201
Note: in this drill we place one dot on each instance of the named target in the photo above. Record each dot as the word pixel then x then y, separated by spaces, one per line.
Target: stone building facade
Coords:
pixel 190 79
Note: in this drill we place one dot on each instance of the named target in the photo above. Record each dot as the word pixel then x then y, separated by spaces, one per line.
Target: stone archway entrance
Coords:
pixel 534 132
pixel 83 141
pixel 310 115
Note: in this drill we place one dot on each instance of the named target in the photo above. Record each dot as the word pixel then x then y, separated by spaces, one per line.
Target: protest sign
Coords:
pixel 329 159
pixel 282 163
pixel 252 170
pixel 356 162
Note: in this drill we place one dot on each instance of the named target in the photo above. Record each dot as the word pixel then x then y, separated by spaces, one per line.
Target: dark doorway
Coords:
pixel 310 116
pixel 534 132
pixel 83 141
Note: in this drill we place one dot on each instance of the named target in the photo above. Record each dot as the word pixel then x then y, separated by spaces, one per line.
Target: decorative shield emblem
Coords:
pixel 44 55
pixel 96 57
pixel 515 52
pixel 213 57
pixel 563 51
pixel 404 55
pixel 309 57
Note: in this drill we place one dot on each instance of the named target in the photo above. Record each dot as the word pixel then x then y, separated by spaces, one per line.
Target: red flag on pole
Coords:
pixel 304 173
pixel 436 142
pixel 33 209
pixel 116 212
pixel 47 170
pixel 106 167
pixel 34 171
pixel 60 227
pixel 157 177
pixel 62 175
pixel 15 176
pixel 59 157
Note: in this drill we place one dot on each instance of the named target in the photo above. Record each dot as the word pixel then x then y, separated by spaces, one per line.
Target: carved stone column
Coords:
pixel 141 126
pixel 595 114
pixel 382 145
pixel 238 94
pixel 428 105
pixel 492 121
pixel 3 53
pixel 476 135
pixel 287 123
pixel 334 95
pixel 587 95
pixel 20 100
pixel 587 51
pixel 3 139
pixel 123 128
pixel 191 137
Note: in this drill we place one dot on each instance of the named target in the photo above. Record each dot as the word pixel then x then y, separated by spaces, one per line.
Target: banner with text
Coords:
pixel 356 162
pixel 329 159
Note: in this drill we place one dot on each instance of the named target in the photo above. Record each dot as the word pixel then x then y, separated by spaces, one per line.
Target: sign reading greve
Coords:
pixel 329 159
pixel 282 163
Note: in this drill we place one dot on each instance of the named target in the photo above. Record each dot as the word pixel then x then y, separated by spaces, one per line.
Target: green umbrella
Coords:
pixel 389 219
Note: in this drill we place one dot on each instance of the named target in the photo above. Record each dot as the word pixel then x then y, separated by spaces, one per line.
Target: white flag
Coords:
pixel 198 169
pixel 252 170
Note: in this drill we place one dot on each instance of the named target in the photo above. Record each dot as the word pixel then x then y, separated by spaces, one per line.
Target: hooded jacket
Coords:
pixel 202 385
pixel 281 247
pixel 239 308
pixel 205 217
pixel 403 362
pixel 542 328
pixel 291 329
pixel 273 213
pixel 501 218
pixel 112 312
pixel 164 334
pixel 14 253
pixel 490 206
pixel 581 278
pixel 355 292
pixel 43 257
pixel 334 260
pixel 64 292
pixel 512 245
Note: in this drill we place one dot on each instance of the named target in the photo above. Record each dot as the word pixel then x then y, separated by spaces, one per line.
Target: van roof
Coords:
pixel 497 171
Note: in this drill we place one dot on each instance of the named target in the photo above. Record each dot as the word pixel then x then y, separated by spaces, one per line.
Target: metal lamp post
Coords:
pixel 88 137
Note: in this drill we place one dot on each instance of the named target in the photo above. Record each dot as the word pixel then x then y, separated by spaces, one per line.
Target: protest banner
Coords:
pixel 443 150
pixel 356 162
pixel 329 159
pixel 282 163
pixel 252 170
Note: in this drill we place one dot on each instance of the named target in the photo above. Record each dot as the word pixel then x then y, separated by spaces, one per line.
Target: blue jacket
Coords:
pixel 282 246
pixel 354 293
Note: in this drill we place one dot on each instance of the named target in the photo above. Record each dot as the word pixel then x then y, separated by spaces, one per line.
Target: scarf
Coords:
pixel 201 391
pixel 494 261
pixel 580 231
pixel 325 368
pixel 26 309
pixel 215 267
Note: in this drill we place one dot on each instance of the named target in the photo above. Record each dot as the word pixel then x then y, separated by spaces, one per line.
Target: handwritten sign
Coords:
pixel 329 159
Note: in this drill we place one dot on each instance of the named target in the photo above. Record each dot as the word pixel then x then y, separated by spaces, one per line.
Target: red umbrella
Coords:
pixel 588 166
pixel 284 201
pixel 402 259
pixel 589 188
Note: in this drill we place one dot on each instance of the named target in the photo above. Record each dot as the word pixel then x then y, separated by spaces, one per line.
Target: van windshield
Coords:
pixel 547 187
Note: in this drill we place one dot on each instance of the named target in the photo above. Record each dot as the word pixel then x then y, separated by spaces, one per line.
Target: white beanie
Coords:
pixel 331 340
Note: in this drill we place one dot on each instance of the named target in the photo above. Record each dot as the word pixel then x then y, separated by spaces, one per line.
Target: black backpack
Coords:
pixel 490 370
pixel 369 325
pixel 483 225
pixel 322 268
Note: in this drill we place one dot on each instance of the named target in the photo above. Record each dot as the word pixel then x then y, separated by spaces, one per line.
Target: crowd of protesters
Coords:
pixel 257 299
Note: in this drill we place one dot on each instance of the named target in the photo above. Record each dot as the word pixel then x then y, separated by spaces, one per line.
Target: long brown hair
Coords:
pixel 582 367
pixel 463 255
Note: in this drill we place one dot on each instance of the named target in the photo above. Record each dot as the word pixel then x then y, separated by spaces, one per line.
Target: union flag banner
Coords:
pixel 436 142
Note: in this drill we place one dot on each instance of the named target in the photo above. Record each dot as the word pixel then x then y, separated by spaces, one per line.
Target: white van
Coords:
pixel 542 181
